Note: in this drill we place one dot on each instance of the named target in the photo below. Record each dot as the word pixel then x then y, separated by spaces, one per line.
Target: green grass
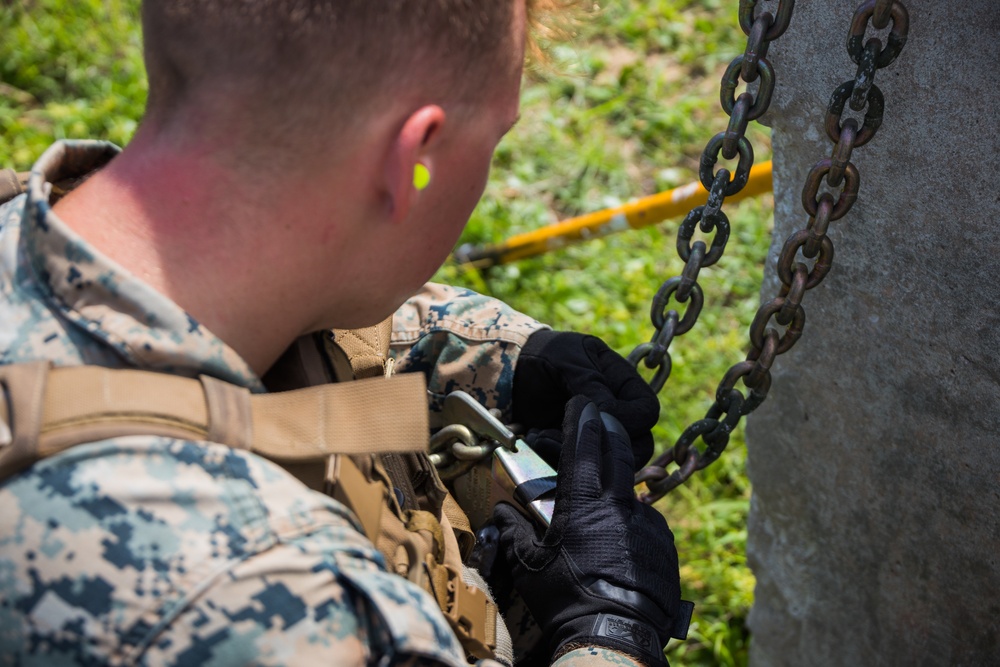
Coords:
pixel 624 110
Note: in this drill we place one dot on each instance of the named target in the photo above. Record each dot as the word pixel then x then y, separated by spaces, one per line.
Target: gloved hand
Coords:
pixel 605 572
pixel 554 366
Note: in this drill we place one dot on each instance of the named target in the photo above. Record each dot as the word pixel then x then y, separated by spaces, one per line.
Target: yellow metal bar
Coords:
pixel 634 215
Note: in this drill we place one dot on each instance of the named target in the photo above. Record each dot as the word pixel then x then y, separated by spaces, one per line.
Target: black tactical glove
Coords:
pixel 605 572
pixel 554 366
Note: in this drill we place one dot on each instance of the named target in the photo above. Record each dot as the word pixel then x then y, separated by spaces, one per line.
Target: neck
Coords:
pixel 224 246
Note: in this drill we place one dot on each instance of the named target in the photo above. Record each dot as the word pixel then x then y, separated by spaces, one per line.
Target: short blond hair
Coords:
pixel 310 61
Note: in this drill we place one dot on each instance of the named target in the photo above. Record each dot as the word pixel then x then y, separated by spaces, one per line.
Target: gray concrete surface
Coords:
pixel 875 522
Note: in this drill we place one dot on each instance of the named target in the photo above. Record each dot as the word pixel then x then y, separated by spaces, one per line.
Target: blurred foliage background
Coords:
pixel 622 110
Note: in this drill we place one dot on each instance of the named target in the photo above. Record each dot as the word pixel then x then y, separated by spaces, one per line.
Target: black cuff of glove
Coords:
pixel 618 633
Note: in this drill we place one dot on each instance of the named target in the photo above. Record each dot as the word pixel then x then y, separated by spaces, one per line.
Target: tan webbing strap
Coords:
pixel 446 543
pixel 12 184
pixel 229 414
pixel 343 418
pixel 89 403
pixel 470 611
pixel 367 349
pixel 366 497
pixel 22 413
pixel 460 524
pixel 85 404
pixel 419 520
pixel 497 635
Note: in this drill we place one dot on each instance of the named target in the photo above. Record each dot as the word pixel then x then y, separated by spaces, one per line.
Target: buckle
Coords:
pixel 467 613
pixel 527 481
pixel 460 408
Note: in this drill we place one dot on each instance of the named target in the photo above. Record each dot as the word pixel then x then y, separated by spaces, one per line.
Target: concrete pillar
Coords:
pixel 875 523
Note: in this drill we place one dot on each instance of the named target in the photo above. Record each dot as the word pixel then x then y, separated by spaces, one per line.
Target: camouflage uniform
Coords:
pixel 460 340
pixel 150 550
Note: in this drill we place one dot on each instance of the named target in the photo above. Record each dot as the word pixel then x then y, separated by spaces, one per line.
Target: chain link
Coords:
pixel 752 65
pixel 455 449
pixel 811 244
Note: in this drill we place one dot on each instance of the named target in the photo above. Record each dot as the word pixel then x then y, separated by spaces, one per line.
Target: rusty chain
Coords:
pixel 811 243
pixel 749 67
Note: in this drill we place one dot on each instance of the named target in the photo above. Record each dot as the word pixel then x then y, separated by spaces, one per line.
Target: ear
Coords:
pixel 413 145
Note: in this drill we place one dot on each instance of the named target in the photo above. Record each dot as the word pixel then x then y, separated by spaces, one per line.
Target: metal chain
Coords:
pixel 811 243
pixel 749 67
pixel 457 448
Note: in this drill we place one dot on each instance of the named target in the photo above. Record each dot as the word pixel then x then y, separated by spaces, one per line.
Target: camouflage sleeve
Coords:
pixel 461 340
pixel 147 550
pixel 595 656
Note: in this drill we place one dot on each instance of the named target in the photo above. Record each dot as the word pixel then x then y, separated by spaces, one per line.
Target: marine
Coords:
pixel 267 209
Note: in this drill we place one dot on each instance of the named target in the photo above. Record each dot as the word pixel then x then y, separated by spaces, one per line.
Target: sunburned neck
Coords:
pixel 216 244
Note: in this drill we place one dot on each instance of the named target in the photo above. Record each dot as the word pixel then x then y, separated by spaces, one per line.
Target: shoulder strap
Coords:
pixel 430 544
pixel 49 410
pixel 365 351
pixel 12 184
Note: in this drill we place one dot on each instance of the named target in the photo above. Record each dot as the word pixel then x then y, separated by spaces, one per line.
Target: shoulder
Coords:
pixel 462 312
pixel 461 340
pixel 184 552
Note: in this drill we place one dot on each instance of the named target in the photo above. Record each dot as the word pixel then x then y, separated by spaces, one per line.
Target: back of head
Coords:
pixel 318 64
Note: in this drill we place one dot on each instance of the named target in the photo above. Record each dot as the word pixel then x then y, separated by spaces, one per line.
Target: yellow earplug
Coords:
pixel 421 176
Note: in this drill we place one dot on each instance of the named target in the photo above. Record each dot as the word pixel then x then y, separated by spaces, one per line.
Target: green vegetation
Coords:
pixel 68 69
pixel 624 110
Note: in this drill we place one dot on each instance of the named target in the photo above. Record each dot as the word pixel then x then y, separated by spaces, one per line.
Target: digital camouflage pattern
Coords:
pixel 148 550
pixel 463 341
